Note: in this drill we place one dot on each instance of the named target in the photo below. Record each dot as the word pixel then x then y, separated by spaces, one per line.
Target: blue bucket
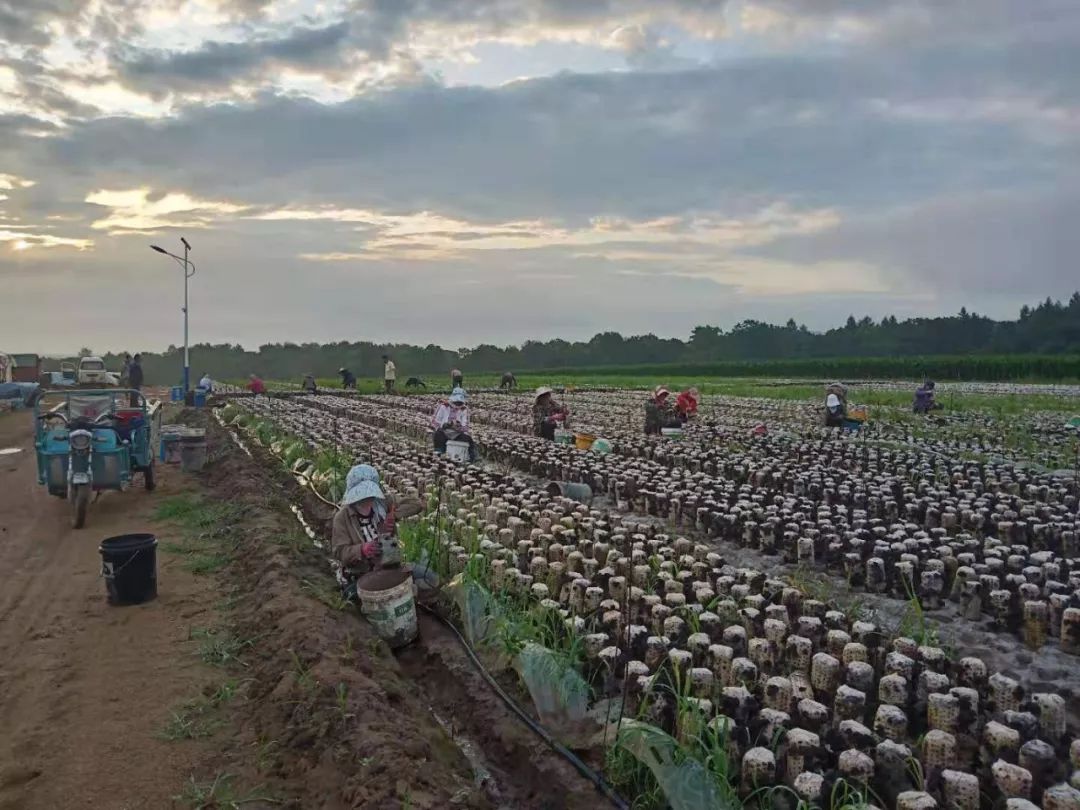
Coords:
pixel 200 397
pixel 176 393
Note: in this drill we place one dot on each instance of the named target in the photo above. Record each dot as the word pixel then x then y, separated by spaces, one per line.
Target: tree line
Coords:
pixel 1051 328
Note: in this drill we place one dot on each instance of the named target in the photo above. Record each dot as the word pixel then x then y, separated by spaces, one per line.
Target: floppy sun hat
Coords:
pixel 661 392
pixel 543 389
pixel 458 396
pixel 362 483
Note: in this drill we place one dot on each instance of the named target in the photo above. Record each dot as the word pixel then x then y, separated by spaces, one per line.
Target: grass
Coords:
pixel 221 793
pixel 219 647
pixel 209 531
pixel 194 719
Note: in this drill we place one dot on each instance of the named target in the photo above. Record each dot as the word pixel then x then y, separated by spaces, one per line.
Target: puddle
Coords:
pixel 9 451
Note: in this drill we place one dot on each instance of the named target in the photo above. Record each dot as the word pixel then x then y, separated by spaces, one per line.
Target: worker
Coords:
pixel 389 373
pixel 508 381
pixel 835 405
pixel 125 370
pixel 256 385
pixel 924 399
pixel 547 413
pixel 365 527
pixel 348 379
pixel 309 385
pixel 659 412
pixel 135 379
pixel 451 423
pixel 457 379
pixel 206 384
pixel 686 404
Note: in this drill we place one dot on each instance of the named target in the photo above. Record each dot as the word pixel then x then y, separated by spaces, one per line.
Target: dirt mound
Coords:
pixel 333 720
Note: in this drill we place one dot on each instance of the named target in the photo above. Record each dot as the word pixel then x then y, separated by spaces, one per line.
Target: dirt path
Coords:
pixel 85 688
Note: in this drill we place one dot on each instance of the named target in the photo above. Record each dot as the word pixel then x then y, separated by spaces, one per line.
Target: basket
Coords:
pixel 583 441
pixel 858 413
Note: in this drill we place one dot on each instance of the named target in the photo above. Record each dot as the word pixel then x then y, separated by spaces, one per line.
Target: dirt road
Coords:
pixel 85 688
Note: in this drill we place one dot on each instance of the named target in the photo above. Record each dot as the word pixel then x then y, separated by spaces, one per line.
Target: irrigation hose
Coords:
pixel 598 781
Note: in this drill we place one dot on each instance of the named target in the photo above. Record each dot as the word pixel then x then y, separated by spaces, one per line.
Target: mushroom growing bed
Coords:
pixel 679 603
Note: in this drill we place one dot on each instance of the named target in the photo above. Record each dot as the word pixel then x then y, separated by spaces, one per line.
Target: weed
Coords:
pixel 266 752
pixel 305 678
pixel 219 647
pixel 326 591
pixel 188 723
pixel 341 702
pixel 220 794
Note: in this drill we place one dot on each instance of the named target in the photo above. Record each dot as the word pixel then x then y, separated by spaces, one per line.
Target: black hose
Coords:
pixel 598 781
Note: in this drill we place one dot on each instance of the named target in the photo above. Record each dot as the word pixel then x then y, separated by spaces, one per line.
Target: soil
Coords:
pixel 326 717
pixel 85 688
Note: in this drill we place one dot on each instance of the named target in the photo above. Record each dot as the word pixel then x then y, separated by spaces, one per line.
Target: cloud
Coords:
pixel 223 63
pixel 1015 245
pixel 140 210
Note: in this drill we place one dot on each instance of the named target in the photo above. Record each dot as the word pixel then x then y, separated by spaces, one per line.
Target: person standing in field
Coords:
pixel 389 373
pixel 256 386
pixel 125 370
pixel 457 379
pixel 135 378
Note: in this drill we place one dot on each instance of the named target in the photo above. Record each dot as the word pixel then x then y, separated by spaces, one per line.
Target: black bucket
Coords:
pixel 129 566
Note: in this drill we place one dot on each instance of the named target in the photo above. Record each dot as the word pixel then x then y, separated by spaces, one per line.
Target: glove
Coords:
pixel 370 551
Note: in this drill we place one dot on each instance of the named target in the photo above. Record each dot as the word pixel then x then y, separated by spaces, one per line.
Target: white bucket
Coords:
pixel 457 451
pixel 564 436
pixel 391 610
pixel 671 433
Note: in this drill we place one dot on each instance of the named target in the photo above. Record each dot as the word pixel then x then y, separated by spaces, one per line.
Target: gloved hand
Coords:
pixel 390 523
pixel 370 550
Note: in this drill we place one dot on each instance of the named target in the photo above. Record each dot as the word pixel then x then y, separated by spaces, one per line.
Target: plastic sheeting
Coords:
pixel 686 783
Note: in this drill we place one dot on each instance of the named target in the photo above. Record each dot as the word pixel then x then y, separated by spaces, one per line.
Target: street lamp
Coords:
pixel 189 271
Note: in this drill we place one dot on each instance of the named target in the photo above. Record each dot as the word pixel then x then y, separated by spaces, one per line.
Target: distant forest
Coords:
pixel 1051 328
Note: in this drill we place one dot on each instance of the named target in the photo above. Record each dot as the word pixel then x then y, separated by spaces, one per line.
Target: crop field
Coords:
pixel 788 617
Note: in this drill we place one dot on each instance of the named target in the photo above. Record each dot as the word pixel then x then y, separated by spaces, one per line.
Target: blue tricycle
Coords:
pixel 92 441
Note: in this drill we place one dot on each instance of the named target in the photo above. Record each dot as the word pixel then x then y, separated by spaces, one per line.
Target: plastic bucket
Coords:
pixel 457 451
pixel 192 453
pixel 584 441
pixel 200 397
pixel 170 448
pixel 176 393
pixel 582 493
pixel 129 567
pixel 671 433
pixel 387 601
pixel 564 436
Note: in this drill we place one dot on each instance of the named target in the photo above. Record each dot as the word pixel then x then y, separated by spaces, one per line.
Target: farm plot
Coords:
pixel 719 617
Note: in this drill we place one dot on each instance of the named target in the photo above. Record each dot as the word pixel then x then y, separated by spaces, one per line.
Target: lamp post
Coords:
pixel 189 271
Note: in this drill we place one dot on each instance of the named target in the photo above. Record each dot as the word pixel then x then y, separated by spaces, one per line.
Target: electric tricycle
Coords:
pixel 92 441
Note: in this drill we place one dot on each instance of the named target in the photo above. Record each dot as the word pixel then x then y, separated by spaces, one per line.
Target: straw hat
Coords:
pixel 543 389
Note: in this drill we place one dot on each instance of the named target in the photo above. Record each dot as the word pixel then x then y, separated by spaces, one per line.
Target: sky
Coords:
pixel 467 171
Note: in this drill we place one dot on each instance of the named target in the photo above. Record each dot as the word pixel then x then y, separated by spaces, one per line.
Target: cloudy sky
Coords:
pixel 458 171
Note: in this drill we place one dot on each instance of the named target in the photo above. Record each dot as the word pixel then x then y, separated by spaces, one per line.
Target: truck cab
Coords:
pixel 92 371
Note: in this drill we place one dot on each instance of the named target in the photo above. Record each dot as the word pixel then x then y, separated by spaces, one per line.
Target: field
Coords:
pixel 796 617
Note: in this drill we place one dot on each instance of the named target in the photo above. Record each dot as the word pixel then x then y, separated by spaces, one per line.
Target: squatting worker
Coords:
pixel 309 385
pixel 389 373
pixel 835 405
pixel 547 413
pixel 366 521
pixel 659 412
pixel 686 404
pixel 348 379
pixel 206 383
pixel 451 423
